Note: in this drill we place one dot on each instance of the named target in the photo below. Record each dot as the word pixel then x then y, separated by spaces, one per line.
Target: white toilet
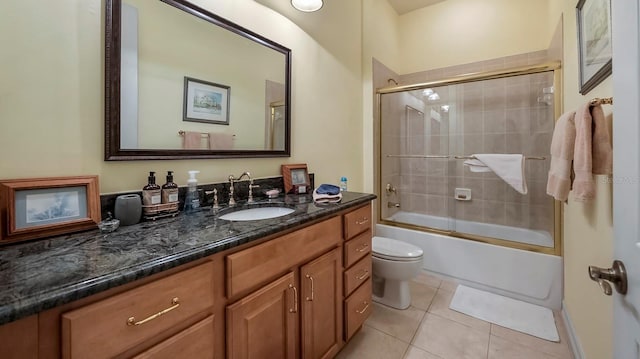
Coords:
pixel 395 263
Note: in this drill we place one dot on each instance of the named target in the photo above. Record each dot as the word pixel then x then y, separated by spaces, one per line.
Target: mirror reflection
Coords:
pixel 193 85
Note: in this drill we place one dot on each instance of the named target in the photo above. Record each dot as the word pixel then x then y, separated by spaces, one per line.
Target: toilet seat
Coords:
pixel 395 250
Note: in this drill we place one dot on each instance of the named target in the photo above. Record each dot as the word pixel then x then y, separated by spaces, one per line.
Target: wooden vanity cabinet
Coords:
pixel 19 339
pixel 298 295
pixel 357 269
pixel 265 323
pixel 301 311
pixel 112 326
pixel 321 309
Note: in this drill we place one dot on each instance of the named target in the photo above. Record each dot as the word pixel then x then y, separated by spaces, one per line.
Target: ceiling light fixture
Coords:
pixel 427 92
pixel 307 5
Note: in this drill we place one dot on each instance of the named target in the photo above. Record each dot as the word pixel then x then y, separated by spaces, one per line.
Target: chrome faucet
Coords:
pixel 232 179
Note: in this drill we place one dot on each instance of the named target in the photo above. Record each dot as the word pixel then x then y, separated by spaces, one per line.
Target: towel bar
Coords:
pixel 601 101
pixel 182 132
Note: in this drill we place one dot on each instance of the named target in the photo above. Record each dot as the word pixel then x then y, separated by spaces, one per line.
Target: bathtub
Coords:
pixel 521 235
pixel 524 275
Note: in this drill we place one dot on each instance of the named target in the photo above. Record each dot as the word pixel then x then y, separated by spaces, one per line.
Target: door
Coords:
pixel 264 324
pixel 321 285
pixel 626 174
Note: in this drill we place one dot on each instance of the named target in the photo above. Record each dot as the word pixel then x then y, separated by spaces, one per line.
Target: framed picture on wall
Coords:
pixel 594 42
pixel 206 102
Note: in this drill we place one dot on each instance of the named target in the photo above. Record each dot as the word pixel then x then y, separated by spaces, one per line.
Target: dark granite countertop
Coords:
pixel 39 275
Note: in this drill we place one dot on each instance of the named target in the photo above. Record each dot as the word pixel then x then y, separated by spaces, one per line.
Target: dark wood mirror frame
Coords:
pixel 113 152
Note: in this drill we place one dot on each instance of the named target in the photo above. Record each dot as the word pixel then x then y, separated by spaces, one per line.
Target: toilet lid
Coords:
pixel 394 249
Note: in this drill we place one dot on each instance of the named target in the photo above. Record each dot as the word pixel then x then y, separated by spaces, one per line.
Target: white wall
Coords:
pixel 52 93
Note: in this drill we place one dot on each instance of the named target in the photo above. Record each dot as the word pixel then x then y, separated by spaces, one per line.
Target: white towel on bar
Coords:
pixel 509 167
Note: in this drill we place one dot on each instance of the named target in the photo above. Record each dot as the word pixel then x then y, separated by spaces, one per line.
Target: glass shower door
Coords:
pixel 415 156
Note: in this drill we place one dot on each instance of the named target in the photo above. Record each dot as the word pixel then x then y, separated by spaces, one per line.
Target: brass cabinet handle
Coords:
pixel 364 275
pixel 362 221
pixel 362 248
pixel 295 299
pixel 311 279
pixel 174 305
pixel 363 309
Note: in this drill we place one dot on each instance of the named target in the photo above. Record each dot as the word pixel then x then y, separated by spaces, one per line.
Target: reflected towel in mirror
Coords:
pixel 220 141
pixel 192 140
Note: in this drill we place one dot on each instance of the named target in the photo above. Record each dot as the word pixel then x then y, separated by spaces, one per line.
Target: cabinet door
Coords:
pixel 19 339
pixel 264 324
pixel 321 285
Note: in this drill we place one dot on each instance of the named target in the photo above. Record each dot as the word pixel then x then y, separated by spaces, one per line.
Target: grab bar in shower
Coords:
pixel 458 157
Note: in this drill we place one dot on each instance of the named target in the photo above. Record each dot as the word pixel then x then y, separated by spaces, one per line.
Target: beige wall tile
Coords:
pixel 473 122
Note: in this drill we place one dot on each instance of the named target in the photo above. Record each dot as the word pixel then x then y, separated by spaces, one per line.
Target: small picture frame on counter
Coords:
pixel 295 178
pixel 44 207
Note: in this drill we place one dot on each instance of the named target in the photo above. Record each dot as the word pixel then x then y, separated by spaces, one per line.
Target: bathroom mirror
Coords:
pixel 184 83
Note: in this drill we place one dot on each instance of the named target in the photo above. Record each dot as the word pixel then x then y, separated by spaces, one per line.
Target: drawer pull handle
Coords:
pixel 362 276
pixel 295 299
pixel 362 248
pixel 363 309
pixel 362 221
pixel 311 279
pixel 174 305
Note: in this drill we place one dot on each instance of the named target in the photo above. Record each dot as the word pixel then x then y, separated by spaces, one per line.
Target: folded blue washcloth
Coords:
pixel 328 189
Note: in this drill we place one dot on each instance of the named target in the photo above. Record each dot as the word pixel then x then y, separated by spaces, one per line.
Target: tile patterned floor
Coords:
pixel 428 329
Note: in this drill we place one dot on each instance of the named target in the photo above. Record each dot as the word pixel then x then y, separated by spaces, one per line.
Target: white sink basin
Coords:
pixel 254 214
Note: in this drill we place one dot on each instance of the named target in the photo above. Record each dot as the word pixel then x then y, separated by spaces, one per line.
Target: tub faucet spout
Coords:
pixel 393 205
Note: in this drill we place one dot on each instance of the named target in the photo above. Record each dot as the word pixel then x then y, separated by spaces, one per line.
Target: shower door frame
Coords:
pixel 554 66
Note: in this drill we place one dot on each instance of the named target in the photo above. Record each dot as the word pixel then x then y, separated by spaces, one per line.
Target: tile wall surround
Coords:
pixel 495 116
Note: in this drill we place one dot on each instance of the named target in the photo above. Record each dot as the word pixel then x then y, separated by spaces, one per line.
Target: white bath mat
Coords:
pixel 510 313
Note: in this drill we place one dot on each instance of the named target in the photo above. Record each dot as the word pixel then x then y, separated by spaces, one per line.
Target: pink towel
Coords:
pixel 592 151
pixel 562 147
pixel 220 141
pixel 602 149
pixel 191 140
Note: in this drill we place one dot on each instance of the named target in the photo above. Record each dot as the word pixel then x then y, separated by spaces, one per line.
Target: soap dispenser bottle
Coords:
pixel 192 201
pixel 151 193
pixel 169 190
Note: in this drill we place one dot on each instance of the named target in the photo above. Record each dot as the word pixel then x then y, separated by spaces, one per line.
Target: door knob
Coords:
pixel 616 275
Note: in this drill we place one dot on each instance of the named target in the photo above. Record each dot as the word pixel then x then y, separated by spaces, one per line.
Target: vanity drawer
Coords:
pixel 194 342
pixel 113 325
pixel 357 221
pixel 357 248
pixel 357 309
pixel 356 275
pixel 257 265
